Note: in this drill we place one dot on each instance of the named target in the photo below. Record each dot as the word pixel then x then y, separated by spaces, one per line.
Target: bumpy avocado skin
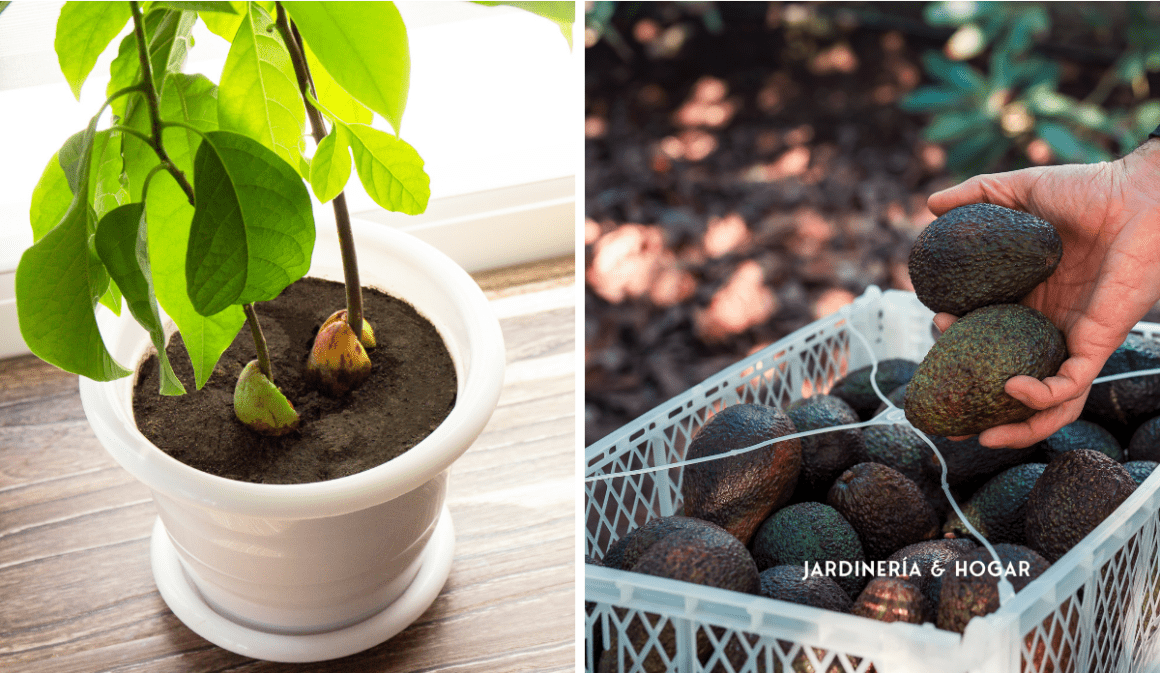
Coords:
pixel 1124 405
pixel 999 508
pixel 1140 469
pixel 790 583
pixel 809 532
pixel 891 599
pixel 1145 442
pixel 1082 434
pixel 739 492
pixel 1077 491
pixel 625 552
pixel 965 595
pixel 931 559
pixel 887 510
pixel 825 455
pixel 856 390
pixel 958 388
pixel 982 254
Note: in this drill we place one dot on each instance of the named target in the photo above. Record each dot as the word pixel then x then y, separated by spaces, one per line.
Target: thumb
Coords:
pixel 1010 190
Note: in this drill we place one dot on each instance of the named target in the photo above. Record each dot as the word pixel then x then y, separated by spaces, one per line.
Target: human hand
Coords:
pixel 1108 217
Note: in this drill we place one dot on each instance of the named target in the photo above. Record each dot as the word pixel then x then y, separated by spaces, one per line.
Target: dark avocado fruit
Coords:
pixel 982 254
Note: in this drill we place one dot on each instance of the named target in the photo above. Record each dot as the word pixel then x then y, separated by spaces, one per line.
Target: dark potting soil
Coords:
pixel 411 390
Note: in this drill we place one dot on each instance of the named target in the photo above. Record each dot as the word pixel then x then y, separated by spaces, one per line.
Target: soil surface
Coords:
pixel 411 390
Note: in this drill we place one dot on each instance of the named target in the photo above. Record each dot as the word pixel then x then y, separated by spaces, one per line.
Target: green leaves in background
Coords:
pixel 59 280
pixel 258 95
pixel 363 45
pixel 82 33
pixel 122 245
pixel 563 14
pixel 390 170
pixel 253 230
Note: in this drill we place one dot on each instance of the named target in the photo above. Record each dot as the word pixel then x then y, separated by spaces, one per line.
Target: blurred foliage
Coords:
pixel 994 91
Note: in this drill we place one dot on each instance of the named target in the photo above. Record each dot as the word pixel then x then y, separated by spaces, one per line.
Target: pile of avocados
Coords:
pixel 856 521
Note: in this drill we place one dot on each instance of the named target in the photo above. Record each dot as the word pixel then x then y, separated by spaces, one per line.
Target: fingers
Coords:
pixel 944 320
pixel 1009 189
pixel 1035 429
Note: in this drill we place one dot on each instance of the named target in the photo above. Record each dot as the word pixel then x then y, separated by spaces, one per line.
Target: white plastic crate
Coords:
pixel 1096 609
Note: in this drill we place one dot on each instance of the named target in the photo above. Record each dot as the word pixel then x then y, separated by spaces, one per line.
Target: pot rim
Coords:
pixel 112 418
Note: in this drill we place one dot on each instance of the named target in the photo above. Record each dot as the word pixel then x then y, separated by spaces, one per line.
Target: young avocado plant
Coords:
pixel 193 201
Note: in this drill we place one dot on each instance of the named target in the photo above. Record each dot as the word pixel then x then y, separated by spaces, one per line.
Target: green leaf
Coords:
pixel 330 168
pixel 70 156
pixel 224 25
pixel 363 45
pixel 959 75
pixel 1067 146
pixel 105 174
pixel 390 170
pixel 952 125
pixel 258 95
pixel 950 13
pixel 930 98
pixel 122 244
pixel 58 282
pixel 4 5
pixel 50 199
pixel 192 100
pixel 563 14
pixel 333 97
pixel 253 228
pixel 169 215
pixel 112 298
pixel 216 7
pixel 83 31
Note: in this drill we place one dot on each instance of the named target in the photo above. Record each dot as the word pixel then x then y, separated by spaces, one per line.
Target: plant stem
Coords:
pixel 354 303
pixel 150 93
pixel 259 341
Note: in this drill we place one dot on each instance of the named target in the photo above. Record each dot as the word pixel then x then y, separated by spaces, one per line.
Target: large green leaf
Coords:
pixel 363 45
pixel 563 14
pixel 333 97
pixel 258 95
pixel 228 8
pixel 50 199
pixel 122 245
pixel 390 170
pixel 330 167
pixel 225 25
pixel 169 214
pixel 253 229
pixel 83 31
pixel 192 100
pixel 58 282
pixel 105 175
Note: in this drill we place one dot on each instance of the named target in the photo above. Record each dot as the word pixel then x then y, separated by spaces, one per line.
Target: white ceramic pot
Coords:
pixel 305 572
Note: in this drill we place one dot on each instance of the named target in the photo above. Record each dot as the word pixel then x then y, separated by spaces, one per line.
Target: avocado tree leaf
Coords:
pixel 563 14
pixel 58 282
pixel 363 45
pixel 258 95
pixel 333 97
pixel 169 214
pixel 330 167
pixel 228 8
pixel 122 245
pixel 225 25
pixel 253 229
pixel 83 31
pixel 50 199
pixel 192 100
pixel 105 174
pixel 1067 146
pixel 390 170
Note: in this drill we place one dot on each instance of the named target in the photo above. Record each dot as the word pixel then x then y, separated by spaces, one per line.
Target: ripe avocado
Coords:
pixel 925 555
pixel 999 508
pixel 625 552
pixel 739 492
pixel 969 462
pixel 891 599
pixel 965 595
pixel 1145 443
pixel 789 583
pixel 886 509
pixel 982 254
pixel 809 532
pixel 1140 469
pixel 958 388
pixel 825 455
pixel 856 390
pixel 1123 405
pixel 1076 492
pixel 1082 435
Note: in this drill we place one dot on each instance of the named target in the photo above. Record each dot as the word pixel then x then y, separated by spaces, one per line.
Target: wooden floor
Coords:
pixel 77 594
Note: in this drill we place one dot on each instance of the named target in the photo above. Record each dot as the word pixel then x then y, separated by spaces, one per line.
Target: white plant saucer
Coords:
pixel 187 603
